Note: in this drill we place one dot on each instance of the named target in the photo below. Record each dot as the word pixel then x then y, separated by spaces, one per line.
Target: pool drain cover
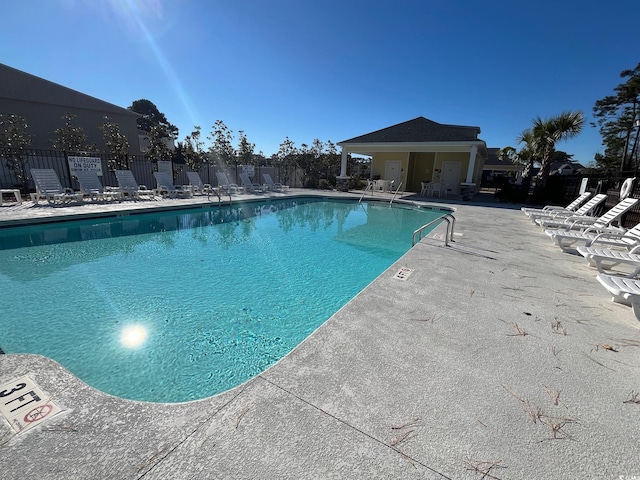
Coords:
pixel 403 273
pixel 24 405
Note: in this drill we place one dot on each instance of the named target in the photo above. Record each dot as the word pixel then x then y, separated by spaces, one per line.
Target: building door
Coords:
pixel 392 171
pixel 451 176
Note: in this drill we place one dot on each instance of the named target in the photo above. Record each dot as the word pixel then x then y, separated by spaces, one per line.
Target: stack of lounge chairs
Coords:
pixel 606 245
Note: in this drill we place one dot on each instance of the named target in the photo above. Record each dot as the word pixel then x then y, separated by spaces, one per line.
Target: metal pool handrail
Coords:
pixel 451 221
pixel 370 186
pixel 395 193
pixel 218 195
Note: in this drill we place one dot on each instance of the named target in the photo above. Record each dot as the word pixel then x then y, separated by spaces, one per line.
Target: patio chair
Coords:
pixel 198 187
pixel 436 188
pixel 566 238
pixel 249 186
pixel 578 222
pixel 48 187
pixel 224 184
pixel 624 290
pixel 166 186
pixel 274 186
pixel 129 186
pixel 571 208
pixel 91 186
pixel 560 215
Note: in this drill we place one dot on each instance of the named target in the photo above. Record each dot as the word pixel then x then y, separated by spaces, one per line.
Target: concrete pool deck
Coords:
pixel 497 357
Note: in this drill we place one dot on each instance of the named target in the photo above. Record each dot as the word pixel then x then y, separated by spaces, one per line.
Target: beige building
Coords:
pixel 421 150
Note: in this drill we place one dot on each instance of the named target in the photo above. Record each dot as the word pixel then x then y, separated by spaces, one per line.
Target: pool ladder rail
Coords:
pixel 451 222
pixel 370 187
pixel 448 217
pixel 395 193
pixel 219 197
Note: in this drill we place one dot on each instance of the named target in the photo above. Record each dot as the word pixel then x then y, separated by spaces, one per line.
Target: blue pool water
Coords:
pixel 177 306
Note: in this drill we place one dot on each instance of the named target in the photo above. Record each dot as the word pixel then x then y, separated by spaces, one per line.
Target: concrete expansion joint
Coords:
pixel 164 453
pixel 360 431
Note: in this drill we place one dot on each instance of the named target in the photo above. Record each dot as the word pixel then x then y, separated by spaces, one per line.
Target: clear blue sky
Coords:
pixel 333 69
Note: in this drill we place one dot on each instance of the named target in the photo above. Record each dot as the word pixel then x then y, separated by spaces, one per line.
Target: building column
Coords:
pixel 343 164
pixel 342 181
pixel 472 163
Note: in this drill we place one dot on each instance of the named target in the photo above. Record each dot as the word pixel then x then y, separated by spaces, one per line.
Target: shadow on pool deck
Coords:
pixel 488 359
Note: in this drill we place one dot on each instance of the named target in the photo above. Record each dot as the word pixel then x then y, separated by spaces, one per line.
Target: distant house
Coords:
pixel 421 150
pixel 496 167
pixel 43 104
pixel 566 168
pixel 497 164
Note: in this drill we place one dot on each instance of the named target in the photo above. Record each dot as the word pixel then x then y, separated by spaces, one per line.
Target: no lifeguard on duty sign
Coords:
pixel 24 405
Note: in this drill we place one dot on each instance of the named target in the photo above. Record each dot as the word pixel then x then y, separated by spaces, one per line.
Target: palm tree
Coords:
pixel 545 135
pixel 525 156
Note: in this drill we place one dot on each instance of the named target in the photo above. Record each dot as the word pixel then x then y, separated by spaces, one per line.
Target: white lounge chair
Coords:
pixel 198 187
pixel 129 186
pixel 623 290
pixel 48 187
pixel 627 249
pixel 571 208
pixel 606 258
pixel 249 186
pixel 91 186
pixel 228 187
pixel 566 238
pixel 274 186
pixel 166 186
pixel 577 222
pixel 561 215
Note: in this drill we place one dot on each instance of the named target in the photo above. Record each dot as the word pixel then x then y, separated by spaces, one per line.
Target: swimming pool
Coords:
pixel 176 306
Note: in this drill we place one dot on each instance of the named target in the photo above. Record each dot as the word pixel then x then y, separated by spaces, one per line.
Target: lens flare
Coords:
pixel 133 336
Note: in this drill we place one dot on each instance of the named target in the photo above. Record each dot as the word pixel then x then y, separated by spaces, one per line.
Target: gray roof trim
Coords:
pixel 372 148
pixel 418 130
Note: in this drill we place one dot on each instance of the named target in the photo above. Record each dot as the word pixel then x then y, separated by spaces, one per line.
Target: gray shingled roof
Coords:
pixel 22 86
pixel 419 130
pixel 494 160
